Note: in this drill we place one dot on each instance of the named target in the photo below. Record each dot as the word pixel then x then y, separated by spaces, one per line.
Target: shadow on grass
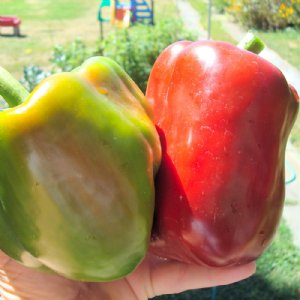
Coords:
pixel 254 288
pixel 6 35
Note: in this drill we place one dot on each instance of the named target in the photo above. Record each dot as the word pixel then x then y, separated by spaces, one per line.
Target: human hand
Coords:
pixel 153 277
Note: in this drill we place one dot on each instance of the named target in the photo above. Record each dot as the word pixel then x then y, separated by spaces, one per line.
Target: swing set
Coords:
pixel 124 13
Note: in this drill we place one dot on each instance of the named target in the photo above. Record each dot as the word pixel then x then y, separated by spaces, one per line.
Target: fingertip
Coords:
pixel 236 273
pixel 247 269
pixel 252 267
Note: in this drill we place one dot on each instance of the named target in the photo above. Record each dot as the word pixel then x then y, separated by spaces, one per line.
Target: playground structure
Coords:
pixel 123 13
pixel 11 21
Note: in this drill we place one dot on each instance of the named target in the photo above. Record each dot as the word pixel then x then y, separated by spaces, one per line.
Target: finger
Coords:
pixel 19 282
pixel 3 259
pixel 176 277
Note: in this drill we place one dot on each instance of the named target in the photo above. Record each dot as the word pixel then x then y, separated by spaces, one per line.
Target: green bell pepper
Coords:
pixel 78 158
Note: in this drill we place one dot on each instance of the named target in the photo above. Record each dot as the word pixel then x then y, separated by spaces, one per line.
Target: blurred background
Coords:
pixel 39 38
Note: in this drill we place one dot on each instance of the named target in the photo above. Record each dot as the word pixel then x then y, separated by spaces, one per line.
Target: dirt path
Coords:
pixel 190 18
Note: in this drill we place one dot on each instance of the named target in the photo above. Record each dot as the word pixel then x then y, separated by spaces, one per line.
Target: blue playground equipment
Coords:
pixel 123 13
pixel 141 11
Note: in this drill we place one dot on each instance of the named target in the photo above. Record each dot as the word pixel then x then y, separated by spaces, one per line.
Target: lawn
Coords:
pixel 285 42
pixel 44 25
pixel 46 10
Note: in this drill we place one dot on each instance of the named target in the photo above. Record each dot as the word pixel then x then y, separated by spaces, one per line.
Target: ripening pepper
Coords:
pixel 78 158
pixel 224 115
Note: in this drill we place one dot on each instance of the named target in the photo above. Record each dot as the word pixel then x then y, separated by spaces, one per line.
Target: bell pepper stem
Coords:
pixel 251 43
pixel 11 89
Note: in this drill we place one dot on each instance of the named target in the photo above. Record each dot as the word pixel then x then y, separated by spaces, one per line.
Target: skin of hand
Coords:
pixel 153 277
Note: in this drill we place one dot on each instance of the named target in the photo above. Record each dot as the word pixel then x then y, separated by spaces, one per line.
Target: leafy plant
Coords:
pixel 3 105
pixel 66 58
pixel 63 59
pixel 221 5
pixel 33 75
pixel 137 48
pixel 268 14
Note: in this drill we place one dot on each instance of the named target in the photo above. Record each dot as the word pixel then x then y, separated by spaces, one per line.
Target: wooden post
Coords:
pixel 152 8
pixel 209 19
pixel 101 30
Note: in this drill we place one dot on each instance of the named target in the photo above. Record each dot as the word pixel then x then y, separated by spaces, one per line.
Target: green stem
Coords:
pixel 251 43
pixel 11 89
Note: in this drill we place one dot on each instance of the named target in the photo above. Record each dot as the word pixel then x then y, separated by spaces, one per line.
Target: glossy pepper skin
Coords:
pixel 224 115
pixel 76 178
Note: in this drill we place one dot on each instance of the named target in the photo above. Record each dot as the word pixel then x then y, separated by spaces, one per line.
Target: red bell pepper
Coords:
pixel 224 115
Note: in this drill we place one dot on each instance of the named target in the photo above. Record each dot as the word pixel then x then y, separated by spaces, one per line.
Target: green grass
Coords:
pixel 285 42
pixel 164 9
pixel 47 23
pixel 43 10
pixel 292 202
pixel 277 276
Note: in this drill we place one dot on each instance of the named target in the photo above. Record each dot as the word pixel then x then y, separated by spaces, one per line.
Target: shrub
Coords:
pixel 3 105
pixel 63 59
pixel 66 58
pixel 221 5
pixel 137 48
pixel 33 75
pixel 268 14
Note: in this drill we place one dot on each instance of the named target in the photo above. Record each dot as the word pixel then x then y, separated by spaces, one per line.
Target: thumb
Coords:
pixel 175 277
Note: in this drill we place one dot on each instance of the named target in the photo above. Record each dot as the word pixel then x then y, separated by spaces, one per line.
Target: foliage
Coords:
pixel 3 105
pixel 277 276
pixel 33 75
pixel 268 14
pixel 221 5
pixel 66 58
pixel 137 48
pixel 63 59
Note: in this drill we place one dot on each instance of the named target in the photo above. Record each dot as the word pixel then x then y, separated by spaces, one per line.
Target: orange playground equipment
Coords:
pixel 123 13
